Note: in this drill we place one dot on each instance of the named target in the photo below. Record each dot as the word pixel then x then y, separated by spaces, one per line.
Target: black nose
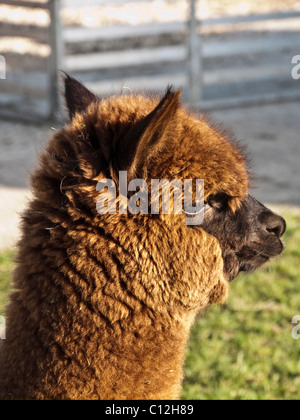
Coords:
pixel 273 223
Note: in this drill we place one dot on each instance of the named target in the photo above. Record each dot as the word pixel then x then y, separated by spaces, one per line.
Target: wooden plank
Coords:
pixel 33 83
pixel 177 53
pixel 31 115
pixel 29 4
pixel 212 49
pixel 159 82
pixel 255 17
pixel 26 61
pixel 93 3
pixel 142 83
pixel 135 57
pixel 249 100
pixel 246 74
pixel 23 30
pixel 23 107
pixel 81 34
pixel 13 88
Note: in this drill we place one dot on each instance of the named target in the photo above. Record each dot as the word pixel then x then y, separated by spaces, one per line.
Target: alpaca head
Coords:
pixel 152 138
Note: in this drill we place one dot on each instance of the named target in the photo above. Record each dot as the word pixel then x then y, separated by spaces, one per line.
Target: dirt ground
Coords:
pixel 270 132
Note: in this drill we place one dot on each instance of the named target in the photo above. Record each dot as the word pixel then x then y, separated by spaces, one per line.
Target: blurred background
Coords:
pixel 235 59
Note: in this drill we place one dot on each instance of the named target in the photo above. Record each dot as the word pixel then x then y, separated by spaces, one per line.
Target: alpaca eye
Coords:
pixel 218 201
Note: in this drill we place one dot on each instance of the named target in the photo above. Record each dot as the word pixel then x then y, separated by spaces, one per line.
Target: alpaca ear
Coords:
pixel 147 138
pixel 77 96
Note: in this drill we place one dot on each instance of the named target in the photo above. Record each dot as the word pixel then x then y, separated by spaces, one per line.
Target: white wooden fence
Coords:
pixel 30 90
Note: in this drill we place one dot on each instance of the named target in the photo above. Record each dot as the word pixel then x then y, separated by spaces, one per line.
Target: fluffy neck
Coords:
pixel 139 358
pixel 85 321
pixel 103 310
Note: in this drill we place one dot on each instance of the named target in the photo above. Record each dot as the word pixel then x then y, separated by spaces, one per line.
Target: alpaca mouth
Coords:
pixel 254 263
pixel 260 253
pixel 249 258
pixel 248 264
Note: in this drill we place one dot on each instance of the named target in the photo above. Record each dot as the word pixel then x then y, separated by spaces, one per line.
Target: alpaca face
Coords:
pixel 249 237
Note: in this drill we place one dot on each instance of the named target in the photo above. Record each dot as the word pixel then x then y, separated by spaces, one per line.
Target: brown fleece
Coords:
pixel 103 304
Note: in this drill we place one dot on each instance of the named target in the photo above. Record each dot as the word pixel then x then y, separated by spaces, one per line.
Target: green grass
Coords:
pixel 243 349
pixel 6 268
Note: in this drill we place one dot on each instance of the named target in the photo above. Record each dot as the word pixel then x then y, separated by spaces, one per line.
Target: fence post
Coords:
pixel 56 56
pixel 195 79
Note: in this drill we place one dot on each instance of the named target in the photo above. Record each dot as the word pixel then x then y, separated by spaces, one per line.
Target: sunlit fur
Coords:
pixel 103 304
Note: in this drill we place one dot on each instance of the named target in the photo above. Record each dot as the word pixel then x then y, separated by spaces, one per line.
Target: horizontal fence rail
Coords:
pixel 80 34
pixel 215 69
pixel 28 4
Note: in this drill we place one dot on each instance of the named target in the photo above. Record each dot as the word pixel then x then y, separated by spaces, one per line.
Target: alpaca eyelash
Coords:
pixel 52 227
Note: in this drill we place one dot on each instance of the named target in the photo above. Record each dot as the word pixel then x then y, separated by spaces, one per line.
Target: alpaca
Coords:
pixel 103 303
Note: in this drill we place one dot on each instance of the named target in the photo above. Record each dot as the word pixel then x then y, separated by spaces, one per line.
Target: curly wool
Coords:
pixel 103 304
